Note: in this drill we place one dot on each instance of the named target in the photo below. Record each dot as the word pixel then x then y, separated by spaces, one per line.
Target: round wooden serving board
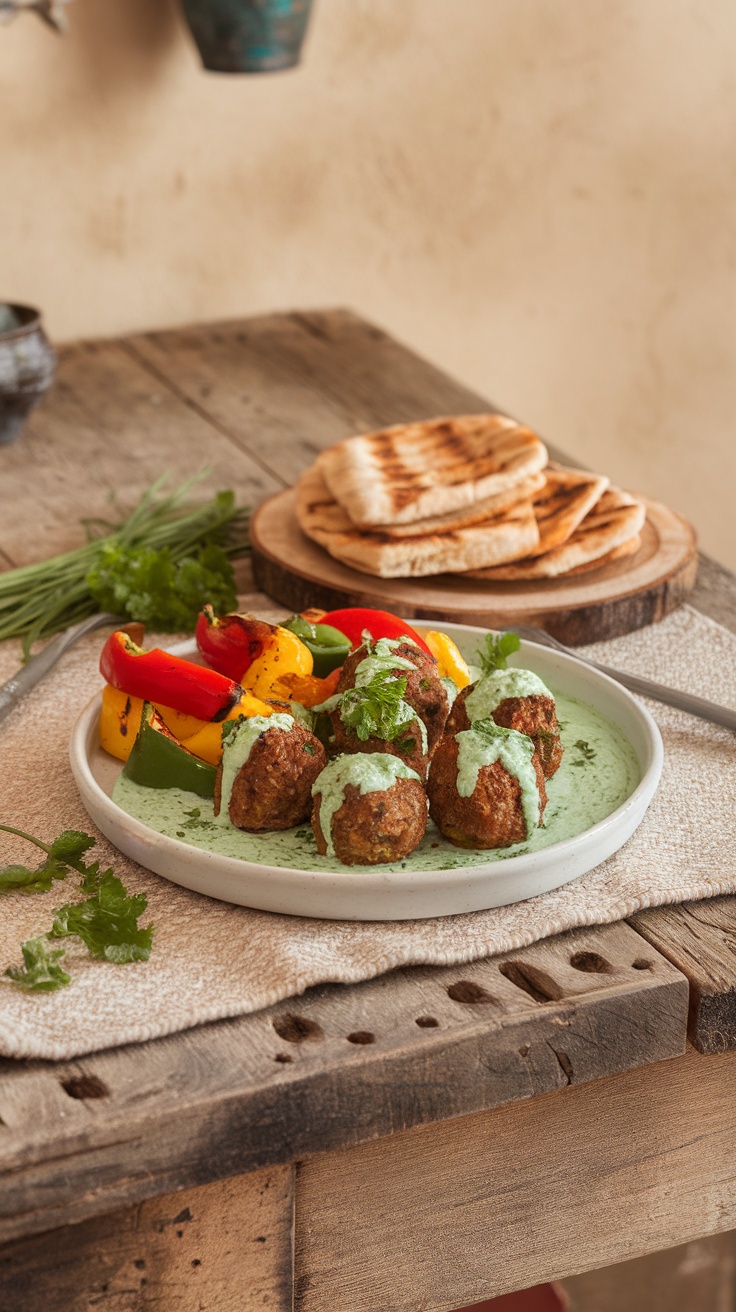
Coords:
pixel 601 604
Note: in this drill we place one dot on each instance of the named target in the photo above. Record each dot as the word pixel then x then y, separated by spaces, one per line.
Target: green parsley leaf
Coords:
pixel 151 586
pixel 497 650
pixel 107 922
pixel 66 851
pixel 40 972
pixel 376 709
pixel 71 846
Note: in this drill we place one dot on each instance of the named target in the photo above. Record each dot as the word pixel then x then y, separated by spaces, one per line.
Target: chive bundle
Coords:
pixel 40 599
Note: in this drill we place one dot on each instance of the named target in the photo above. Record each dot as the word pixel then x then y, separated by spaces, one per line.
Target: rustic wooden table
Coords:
pixel 421 1141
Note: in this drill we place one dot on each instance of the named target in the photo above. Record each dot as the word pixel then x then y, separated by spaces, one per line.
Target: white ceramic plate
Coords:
pixel 381 894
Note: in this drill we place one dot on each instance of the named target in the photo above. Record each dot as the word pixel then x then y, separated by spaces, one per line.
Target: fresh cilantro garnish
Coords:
pixel 497 650
pixel 107 922
pixel 40 972
pixel 63 854
pixel 376 709
pixel 152 586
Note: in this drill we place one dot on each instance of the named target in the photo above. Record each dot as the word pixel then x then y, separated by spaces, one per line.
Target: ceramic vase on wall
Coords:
pixel 248 36
pixel 27 363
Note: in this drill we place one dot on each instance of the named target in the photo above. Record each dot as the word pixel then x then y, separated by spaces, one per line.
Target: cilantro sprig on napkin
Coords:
pixel 106 920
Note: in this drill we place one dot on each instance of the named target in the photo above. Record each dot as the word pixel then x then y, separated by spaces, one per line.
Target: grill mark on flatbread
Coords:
pixel 615 520
pixel 414 471
pixel 316 508
pixel 567 497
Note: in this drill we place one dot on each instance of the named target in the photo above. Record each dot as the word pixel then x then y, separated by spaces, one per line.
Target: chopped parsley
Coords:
pixel 160 590
pixel 377 709
pixel 41 971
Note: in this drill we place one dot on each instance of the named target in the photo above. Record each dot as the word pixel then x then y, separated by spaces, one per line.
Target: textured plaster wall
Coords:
pixel 540 195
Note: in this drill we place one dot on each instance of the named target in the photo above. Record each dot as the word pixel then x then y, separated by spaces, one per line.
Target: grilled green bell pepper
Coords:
pixel 158 759
pixel 328 646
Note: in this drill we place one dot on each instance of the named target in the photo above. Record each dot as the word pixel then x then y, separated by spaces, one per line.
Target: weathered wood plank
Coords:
pixel 700 939
pixel 107 425
pixel 453 1213
pixel 281 420
pixel 335 1067
pixel 226 1246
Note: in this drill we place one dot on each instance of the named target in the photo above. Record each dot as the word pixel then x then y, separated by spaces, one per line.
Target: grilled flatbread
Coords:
pixel 614 521
pixel 317 509
pixel 629 548
pixel 413 471
pixel 567 497
pixel 506 536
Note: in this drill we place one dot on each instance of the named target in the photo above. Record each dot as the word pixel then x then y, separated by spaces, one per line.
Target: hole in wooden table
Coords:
pixel 642 963
pixel 85 1087
pixel 427 1022
pixel 468 992
pixel 537 983
pixel 361 1036
pixel 592 962
pixel 297 1029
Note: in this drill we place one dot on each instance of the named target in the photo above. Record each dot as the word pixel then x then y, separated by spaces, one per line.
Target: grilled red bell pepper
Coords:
pixel 156 676
pixel 230 643
pixel 379 623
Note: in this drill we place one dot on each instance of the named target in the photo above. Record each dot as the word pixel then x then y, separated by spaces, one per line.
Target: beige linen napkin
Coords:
pixel 211 959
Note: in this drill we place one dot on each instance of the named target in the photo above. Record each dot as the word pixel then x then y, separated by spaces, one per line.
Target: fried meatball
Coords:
pixel 408 746
pixel 531 713
pixel 493 814
pixel 381 813
pixel 272 789
pixel 425 692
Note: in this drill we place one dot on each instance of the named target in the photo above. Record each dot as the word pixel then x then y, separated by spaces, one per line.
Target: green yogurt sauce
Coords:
pixel 371 772
pixel 495 687
pixel 238 748
pixel 484 744
pixel 599 771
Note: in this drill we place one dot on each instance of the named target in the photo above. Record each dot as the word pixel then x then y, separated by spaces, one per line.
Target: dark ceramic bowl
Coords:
pixel 27 363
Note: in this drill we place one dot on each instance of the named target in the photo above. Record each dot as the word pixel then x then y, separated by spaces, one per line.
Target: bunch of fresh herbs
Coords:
pixel 159 564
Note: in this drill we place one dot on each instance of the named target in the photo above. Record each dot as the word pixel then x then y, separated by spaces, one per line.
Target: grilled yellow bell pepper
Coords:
pixel 284 654
pixel 207 742
pixel 120 720
pixel 450 662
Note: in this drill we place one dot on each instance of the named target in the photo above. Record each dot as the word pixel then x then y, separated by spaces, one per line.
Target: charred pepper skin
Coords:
pixel 157 676
pixel 230 643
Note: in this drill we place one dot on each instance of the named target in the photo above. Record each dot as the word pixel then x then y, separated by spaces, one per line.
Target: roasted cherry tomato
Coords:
pixel 379 623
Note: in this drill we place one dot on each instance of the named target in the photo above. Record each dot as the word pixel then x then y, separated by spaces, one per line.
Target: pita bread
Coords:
pixel 567 497
pixel 615 520
pixel 412 471
pixel 629 548
pixel 508 535
pixel 317 509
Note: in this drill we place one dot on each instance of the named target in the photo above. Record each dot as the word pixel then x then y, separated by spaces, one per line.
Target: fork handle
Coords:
pixel 683 701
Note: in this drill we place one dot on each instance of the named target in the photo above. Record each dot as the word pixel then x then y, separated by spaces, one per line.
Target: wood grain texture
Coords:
pixel 700 938
pixel 335 1067
pixel 108 426
pixel 226 1246
pixel 588 608
pixel 451 1214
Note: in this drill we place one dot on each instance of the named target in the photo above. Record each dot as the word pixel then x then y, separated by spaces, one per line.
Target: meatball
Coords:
pixel 408 746
pixel 368 810
pixel 268 766
pixel 515 699
pixel 425 692
pixel 486 787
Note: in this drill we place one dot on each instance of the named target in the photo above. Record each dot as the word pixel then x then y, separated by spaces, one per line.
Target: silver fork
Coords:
pixel 34 670
pixel 683 701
